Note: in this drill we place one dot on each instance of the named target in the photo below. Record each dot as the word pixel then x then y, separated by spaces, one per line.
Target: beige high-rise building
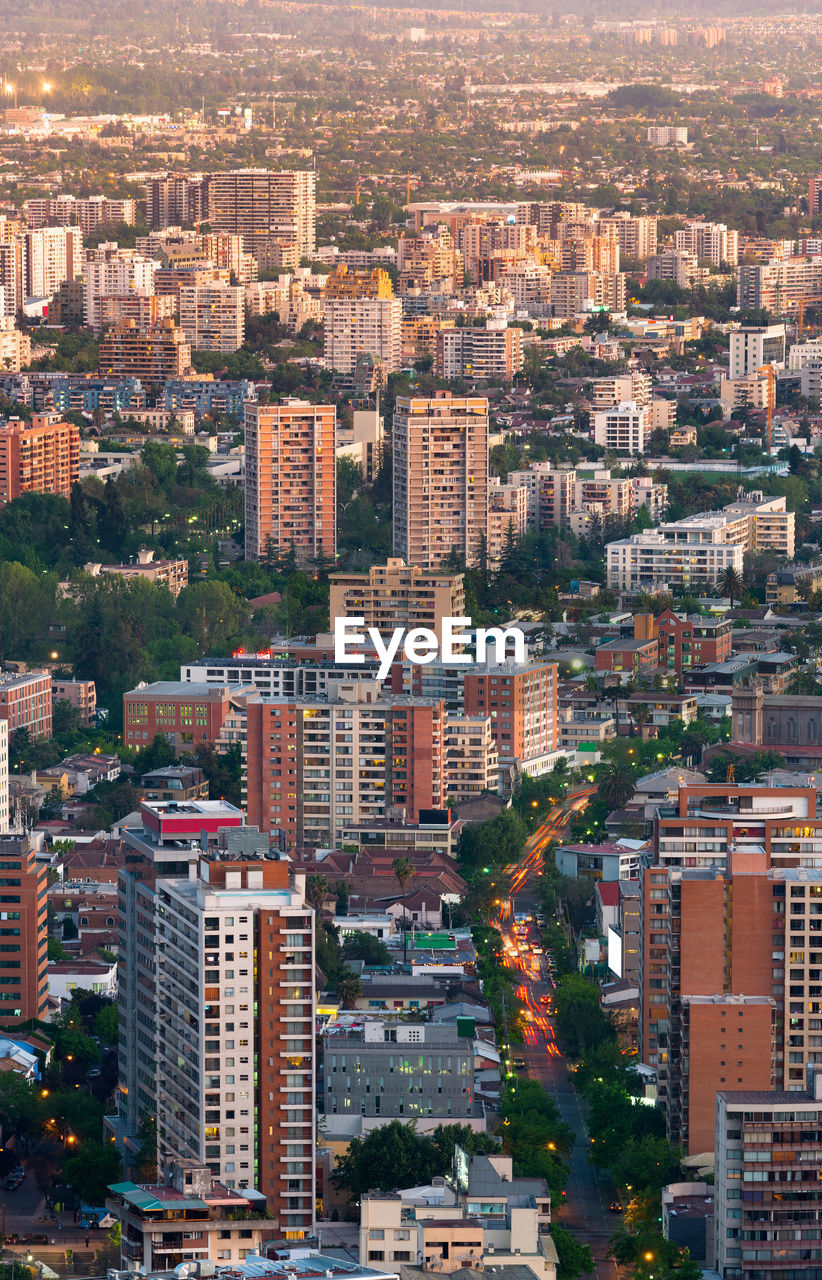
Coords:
pixel 637 236
pixel 397 595
pixel 53 254
pixel 213 316
pixel 357 327
pixel 264 206
pixel 440 478
pixel 290 480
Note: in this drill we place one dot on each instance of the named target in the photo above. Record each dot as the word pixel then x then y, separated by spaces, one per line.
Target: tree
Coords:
pixel 403 869
pixel 641 715
pixel 616 784
pixel 362 946
pixel 341 905
pixel 106 1024
pixel 580 1023
pixel 349 987
pixel 730 584
pixel 211 614
pixel 388 1159
pixel 575 1259
pixel 316 891
pixel 92 1170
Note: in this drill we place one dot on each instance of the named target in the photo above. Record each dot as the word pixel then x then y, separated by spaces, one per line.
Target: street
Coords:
pixel 589 1192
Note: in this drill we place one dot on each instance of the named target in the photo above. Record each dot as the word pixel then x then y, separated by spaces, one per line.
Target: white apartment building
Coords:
pixel 673 555
pixel 362 326
pixel 708 241
pixel 606 393
pixel 68 211
pixel 674 265
pixel 755 346
pixel 702 546
pixel 667 135
pixel 471 757
pixel 4 776
pixel 779 284
pixel 507 516
pixel 767 1199
pixel 622 429
pixel 212 316
pixel 224 1054
pixel 127 275
pixel 53 254
pixel 13 260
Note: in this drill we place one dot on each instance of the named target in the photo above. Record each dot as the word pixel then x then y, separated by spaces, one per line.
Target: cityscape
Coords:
pixel 410 641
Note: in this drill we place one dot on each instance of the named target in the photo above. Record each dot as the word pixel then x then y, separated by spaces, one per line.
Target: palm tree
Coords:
pixel 641 714
pixel 403 869
pixel 348 988
pixel 616 784
pixel 730 584
pixel 316 891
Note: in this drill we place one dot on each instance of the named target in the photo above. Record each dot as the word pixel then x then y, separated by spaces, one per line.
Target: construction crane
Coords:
pixel 768 370
pixel 730 776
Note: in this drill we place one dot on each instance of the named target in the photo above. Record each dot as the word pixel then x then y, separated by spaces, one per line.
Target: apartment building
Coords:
pixel 701 547
pixel 166 573
pixel 220 1224
pixel 53 254
pixel 575 292
pixel 708 242
pixel 507 517
pixel 394 1070
pixel 753 346
pixel 290 481
pixel 217 1005
pixel 735 891
pixel 183 713
pixel 355 327
pixel 490 1219
pixel 440 478
pixel 13 286
pixel 150 355
pixel 494 352
pixel 357 282
pixel 212 317
pixel 264 206
pixel 24 930
pixel 176 199
pixel 667 135
pixel 41 456
pixel 271 676
pixel 681 268
pixel 363 442
pixel 127 275
pixel 471 757
pixel 80 694
pixel 589 253
pixel 521 702
pixel 397 595
pixel 5 824
pixel 637 236
pixel 15 346
pixel 686 641
pixel 793 585
pixel 778 285
pixel 622 429
pixel 607 393
pixel 316 765
pixel 88 214
pixel 768 1196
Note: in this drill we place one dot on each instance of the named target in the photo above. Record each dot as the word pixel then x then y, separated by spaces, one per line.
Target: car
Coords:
pixel 615 1207
pixel 518 1062
pixel 545 999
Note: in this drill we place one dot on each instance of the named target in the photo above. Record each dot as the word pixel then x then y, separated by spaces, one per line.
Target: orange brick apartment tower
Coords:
pixel 731 949
pixel 291 480
pixel 314 767
pixel 23 932
pixel 440 478
pixel 522 704
pixel 43 457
